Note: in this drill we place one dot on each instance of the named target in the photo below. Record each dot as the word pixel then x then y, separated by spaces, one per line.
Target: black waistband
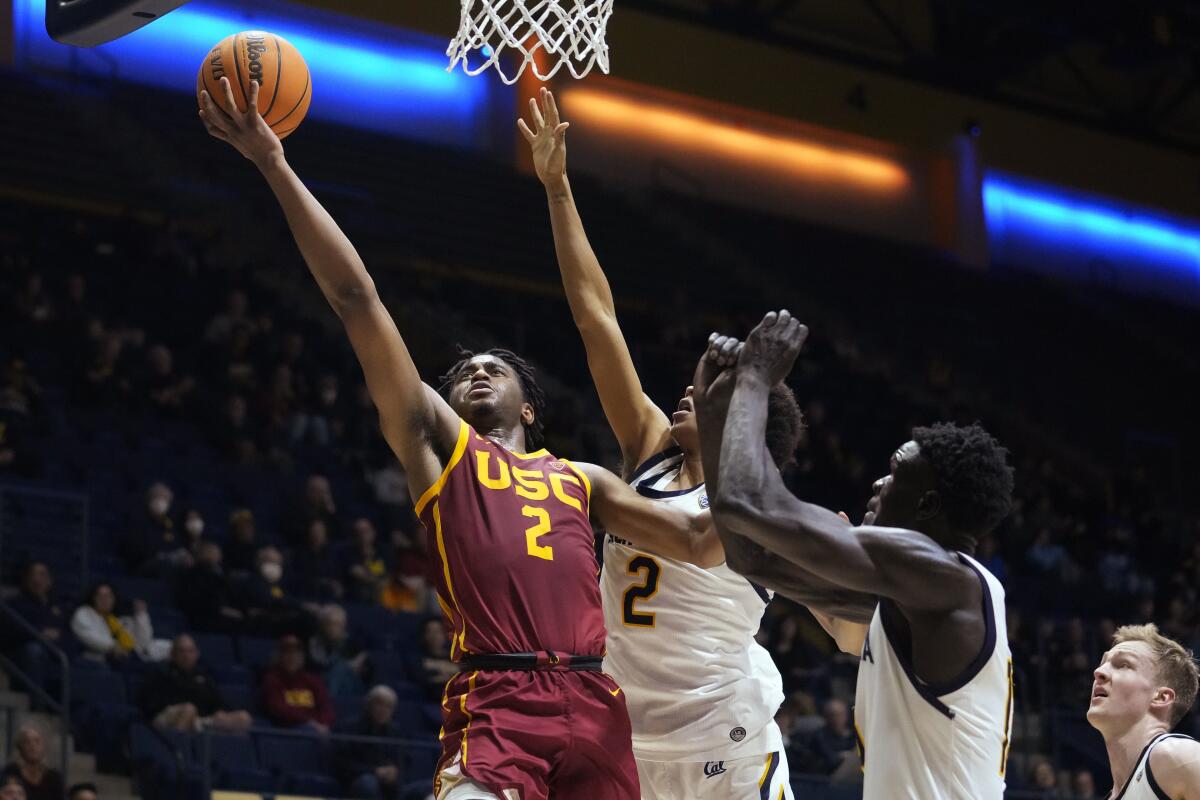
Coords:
pixel 546 660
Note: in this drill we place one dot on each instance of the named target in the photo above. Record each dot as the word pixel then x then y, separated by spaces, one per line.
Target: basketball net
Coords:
pixel 569 32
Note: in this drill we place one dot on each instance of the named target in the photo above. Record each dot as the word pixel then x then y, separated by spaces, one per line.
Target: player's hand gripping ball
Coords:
pixel 285 86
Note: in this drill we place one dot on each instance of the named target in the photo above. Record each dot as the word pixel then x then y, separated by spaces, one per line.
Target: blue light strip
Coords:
pixel 1053 230
pixel 363 75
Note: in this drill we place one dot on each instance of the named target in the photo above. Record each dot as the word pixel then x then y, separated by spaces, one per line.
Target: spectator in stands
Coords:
pixel 292 696
pixel 236 432
pixel 206 595
pixel 1083 785
pixel 990 558
pixel 408 587
pixel 153 545
pixel 828 747
pixel 40 781
pixel 105 381
pixel 372 770
pixel 107 637
pixel 268 609
pixel 340 659
pixel 1043 780
pixel 1046 555
pixel 83 791
pixel 433 662
pixel 193 530
pixel 162 388
pixel 11 788
pixel 315 569
pixel 365 565
pixel 36 605
pixel 220 328
pixel 318 418
pixel 1072 665
pixel 181 696
pixel 241 553
pixel 18 455
pixel 315 503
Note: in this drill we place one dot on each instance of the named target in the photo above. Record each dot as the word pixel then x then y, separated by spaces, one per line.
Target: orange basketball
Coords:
pixel 285 86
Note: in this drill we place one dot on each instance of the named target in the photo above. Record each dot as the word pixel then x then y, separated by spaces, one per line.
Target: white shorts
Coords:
pixel 755 778
pixel 453 785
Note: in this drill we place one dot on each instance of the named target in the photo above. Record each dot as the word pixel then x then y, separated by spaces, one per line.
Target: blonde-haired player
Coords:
pixel 1142 689
pixel 701 693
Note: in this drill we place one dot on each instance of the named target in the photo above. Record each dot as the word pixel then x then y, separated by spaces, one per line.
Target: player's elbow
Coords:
pixel 353 294
pixel 735 509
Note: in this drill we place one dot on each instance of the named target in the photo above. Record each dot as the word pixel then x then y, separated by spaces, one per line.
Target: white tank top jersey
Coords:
pixel 681 644
pixel 1141 785
pixel 946 742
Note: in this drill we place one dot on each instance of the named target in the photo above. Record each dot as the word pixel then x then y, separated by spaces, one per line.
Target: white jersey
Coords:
pixel 1141 785
pixel 945 742
pixel 681 644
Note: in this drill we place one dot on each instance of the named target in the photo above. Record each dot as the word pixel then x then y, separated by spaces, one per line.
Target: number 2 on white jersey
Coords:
pixel 649 570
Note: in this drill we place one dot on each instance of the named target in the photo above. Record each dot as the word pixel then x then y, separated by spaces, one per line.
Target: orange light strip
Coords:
pixel 703 135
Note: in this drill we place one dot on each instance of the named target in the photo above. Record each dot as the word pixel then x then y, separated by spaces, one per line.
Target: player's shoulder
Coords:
pixel 1175 764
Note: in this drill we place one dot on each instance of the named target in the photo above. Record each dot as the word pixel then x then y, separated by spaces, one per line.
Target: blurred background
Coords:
pixel 983 211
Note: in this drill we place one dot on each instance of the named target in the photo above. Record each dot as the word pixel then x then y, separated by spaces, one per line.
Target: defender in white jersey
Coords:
pixel 1143 687
pixel 701 693
pixel 934 691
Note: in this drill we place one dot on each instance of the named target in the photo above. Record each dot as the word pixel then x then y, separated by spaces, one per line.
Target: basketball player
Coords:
pixel 1144 685
pixel 531 716
pixel 933 709
pixel 701 692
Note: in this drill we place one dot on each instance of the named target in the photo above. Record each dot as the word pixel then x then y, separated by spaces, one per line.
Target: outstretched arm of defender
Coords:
pixel 641 427
pixel 752 500
pixel 412 414
pixel 660 528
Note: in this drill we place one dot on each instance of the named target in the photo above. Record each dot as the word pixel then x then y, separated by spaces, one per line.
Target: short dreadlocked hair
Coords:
pixel 973 475
pixel 785 425
pixel 525 375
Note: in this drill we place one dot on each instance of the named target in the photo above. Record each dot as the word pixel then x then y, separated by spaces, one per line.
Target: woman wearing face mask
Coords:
pixel 154 545
pixel 268 608
pixel 193 530
pixel 107 637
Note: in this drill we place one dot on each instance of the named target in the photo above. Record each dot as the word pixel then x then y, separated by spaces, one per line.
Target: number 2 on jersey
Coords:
pixel 648 569
pixel 541 528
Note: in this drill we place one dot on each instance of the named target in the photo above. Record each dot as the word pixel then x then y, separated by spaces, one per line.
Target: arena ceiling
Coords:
pixel 1127 67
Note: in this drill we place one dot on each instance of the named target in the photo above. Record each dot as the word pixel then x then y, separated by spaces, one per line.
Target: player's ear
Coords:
pixel 1164 697
pixel 527 414
pixel 930 505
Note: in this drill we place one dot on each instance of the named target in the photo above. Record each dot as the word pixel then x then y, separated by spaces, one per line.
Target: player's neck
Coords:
pixel 691 472
pixel 1124 748
pixel 511 439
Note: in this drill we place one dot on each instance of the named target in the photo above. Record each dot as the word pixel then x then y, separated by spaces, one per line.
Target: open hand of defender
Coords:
pixel 772 347
pixel 247 131
pixel 547 139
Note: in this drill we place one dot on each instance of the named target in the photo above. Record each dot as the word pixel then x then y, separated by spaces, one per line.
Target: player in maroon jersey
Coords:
pixel 531 716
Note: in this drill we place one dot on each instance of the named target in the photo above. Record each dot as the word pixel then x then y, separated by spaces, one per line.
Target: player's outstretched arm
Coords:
pixel 840 611
pixel 1176 766
pixel 660 528
pixel 752 500
pixel 413 416
pixel 641 428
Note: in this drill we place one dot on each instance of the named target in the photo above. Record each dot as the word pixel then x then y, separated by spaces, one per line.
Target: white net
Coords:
pixel 495 32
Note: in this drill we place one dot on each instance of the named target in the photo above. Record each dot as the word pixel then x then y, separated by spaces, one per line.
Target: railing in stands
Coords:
pixel 60 706
pixel 401 745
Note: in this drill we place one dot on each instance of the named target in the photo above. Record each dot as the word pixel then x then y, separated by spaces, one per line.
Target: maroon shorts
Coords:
pixel 548 734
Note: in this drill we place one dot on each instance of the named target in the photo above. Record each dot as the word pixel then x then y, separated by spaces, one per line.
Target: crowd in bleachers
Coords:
pixel 255 564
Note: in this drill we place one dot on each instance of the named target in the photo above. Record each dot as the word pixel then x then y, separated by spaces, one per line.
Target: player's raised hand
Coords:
pixel 245 130
pixel 713 382
pixel 547 138
pixel 772 347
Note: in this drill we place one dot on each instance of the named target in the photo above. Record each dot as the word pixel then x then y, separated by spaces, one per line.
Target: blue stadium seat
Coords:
pixel 235 763
pixel 286 754
pixel 231 674
pixel 348 707
pixel 155 592
pixel 215 648
pixel 256 653
pixel 389 667
pixel 239 697
pixel 89 683
pixel 312 785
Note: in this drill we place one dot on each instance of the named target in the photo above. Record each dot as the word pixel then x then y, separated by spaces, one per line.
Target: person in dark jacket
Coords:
pixel 37 606
pixel 372 770
pixel 41 782
pixel 270 611
pixel 183 697
pixel 206 594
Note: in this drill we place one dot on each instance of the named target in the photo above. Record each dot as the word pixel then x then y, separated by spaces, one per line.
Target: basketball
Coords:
pixel 285 85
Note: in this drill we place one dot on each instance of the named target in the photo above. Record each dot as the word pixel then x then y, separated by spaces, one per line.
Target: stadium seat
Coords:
pixel 239 696
pixel 256 653
pixel 285 753
pixel 215 648
pixel 235 763
pixel 91 682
